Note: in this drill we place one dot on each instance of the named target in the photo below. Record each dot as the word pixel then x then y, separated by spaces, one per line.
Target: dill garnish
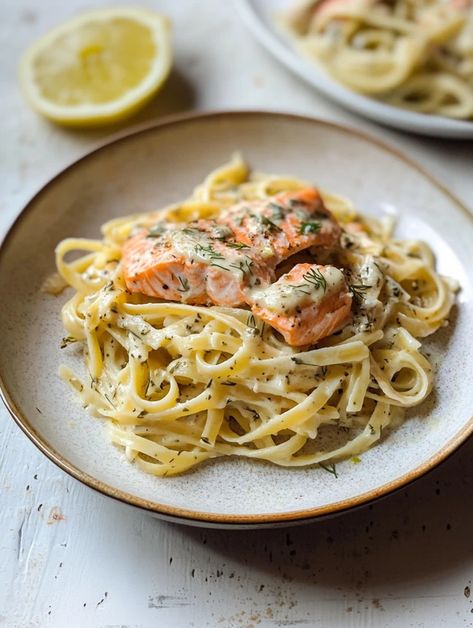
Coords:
pixel 358 291
pixel 330 468
pixel 135 334
pixel 220 266
pixel 312 278
pixel 67 340
pixel 299 362
pixel 266 222
pixel 109 400
pixel 208 250
pixel 272 226
pixel 277 211
pixel 251 321
pixel 220 232
pixel 156 231
pixel 244 265
pixel 315 278
pixel 190 231
pixel 309 227
pixel 184 283
pixel 237 245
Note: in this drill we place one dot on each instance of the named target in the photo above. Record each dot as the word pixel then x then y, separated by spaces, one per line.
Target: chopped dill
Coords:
pixel 251 323
pixel 156 231
pixel 330 468
pixel 358 291
pixel 244 265
pixel 184 283
pixel 277 211
pixel 309 227
pixel 220 266
pixel 67 340
pixel 208 251
pixel 190 231
pixel 299 362
pixel 237 245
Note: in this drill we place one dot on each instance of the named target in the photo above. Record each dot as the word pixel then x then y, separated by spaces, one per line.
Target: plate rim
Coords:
pixel 190 516
pixel 371 109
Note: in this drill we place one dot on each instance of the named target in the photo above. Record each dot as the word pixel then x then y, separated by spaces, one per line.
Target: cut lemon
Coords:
pixel 98 68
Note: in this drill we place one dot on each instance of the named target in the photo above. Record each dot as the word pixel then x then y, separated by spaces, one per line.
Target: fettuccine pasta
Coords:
pixel 179 384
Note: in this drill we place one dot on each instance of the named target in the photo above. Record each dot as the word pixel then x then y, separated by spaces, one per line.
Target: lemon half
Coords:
pixel 99 67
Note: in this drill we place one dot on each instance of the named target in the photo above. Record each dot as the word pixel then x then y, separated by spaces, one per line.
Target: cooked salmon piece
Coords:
pixel 283 225
pixel 306 304
pixel 199 263
pixel 232 261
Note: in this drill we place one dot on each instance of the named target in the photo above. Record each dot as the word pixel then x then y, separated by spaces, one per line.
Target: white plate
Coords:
pixel 156 166
pixel 259 17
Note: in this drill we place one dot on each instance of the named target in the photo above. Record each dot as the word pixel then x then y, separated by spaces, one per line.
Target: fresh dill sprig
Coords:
pixel 311 278
pixel 208 251
pixel 358 291
pixel 316 278
pixel 244 265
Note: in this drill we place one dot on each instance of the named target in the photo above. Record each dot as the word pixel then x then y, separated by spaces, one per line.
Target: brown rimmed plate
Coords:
pixel 157 165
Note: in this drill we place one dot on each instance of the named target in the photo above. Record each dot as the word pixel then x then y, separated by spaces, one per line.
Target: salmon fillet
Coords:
pixel 232 261
pixel 283 225
pixel 306 304
pixel 200 264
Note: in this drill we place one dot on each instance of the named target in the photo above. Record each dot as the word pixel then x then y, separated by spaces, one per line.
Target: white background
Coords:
pixel 70 557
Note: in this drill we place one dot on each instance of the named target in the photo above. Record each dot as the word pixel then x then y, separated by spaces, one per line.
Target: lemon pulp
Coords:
pixel 99 67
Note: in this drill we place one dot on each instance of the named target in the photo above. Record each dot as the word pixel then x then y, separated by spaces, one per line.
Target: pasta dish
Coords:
pixel 261 317
pixel 415 54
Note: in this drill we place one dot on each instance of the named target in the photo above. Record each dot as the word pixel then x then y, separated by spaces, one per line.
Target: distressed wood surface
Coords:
pixel 71 557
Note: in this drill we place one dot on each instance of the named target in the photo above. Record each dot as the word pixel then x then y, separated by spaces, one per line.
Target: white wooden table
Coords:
pixel 70 557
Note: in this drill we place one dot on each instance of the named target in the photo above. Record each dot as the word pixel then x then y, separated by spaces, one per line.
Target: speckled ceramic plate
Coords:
pixel 259 15
pixel 158 165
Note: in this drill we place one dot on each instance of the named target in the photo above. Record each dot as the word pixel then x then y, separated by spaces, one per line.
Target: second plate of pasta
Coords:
pixel 406 65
